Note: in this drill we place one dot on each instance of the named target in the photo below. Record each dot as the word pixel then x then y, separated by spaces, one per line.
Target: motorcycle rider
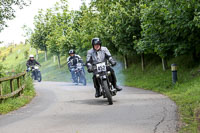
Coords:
pixel 96 55
pixel 31 62
pixel 72 60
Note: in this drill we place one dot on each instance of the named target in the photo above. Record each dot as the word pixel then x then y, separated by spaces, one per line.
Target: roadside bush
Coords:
pixel 11 50
pixel 2 74
pixel 4 58
pixel 17 102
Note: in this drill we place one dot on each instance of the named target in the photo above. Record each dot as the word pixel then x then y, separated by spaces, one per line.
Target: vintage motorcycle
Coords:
pixel 79 74
pixel 104 80
pixel 35 73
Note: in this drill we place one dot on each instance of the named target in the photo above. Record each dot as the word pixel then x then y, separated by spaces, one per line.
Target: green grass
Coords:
pixel 12 104
pixel 17 56
pixel 13 64
pixel 51 71
pixel 186 93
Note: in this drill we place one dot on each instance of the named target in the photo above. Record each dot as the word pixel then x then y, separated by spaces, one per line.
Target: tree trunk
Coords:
pixel 45 55
pixel 54 58
pixel 125 62
pixel 59 61
pixel 37 56
pixel 194 55
pixel 142 61
pixel 164 64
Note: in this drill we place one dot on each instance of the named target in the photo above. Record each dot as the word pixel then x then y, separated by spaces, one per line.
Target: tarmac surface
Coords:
pixel 65 108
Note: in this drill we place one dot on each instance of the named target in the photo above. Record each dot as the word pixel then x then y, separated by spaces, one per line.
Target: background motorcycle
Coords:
pixel 104 80
pixel 79 74
pixel 35 73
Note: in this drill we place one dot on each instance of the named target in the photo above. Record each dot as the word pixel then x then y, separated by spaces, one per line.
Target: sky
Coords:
pixel 14 32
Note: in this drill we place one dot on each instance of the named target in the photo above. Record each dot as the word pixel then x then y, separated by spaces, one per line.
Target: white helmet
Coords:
pixel 31 56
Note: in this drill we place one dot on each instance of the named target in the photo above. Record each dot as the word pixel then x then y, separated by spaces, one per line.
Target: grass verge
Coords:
pixel 12 104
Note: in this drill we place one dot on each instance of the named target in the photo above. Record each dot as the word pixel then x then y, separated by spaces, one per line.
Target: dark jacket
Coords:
pixel 73 60
pixel 32 63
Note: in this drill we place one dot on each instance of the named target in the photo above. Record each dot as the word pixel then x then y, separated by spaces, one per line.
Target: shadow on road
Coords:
pixel 91 101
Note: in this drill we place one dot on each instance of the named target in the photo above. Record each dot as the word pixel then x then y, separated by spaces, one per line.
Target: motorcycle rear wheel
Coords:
pixel 107 91
pixel 39 76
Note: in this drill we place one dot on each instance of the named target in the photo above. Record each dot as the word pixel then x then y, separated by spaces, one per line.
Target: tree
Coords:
pixel 127 27
pixel 121 25
pixel 39 36
pixel 53 30
pixel 168 28
pixel 7 11
pixel 59 22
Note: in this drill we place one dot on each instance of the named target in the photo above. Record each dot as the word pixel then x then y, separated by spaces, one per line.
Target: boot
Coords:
pixel 97 94
pixel 117 87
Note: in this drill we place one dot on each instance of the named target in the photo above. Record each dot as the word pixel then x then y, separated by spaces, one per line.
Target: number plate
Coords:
pixel 79 65
pixel 101 67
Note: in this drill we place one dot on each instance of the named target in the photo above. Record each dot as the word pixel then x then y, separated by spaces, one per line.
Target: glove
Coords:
pixel 113 63
pixel 29 69
pixel 90 70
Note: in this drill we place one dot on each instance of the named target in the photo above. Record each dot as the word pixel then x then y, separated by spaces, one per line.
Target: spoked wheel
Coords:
pixel 34 75
pixel 107 92
pixel 39 76
pixel 76 78
pixel 83 79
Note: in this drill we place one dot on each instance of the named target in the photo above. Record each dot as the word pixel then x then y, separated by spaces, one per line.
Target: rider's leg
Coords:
pixel 34 74
pixel 83 69
pixel 71 75
pixel 74 76
pixel 27 70
pixel 114 79
pixel 96 86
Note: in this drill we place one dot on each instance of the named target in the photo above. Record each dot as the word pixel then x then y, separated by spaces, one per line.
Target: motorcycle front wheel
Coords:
pixel 39 76
pixel 34 75
pixel 83 79
pixel 107 92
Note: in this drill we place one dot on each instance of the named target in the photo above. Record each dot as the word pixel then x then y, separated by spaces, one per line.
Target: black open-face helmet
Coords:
pixel 96 41
pixel 71 51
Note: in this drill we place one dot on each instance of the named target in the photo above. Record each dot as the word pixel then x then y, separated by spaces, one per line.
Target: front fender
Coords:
pixel 104 77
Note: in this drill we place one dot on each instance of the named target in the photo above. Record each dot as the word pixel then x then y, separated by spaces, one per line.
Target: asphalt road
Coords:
pixel 66 108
